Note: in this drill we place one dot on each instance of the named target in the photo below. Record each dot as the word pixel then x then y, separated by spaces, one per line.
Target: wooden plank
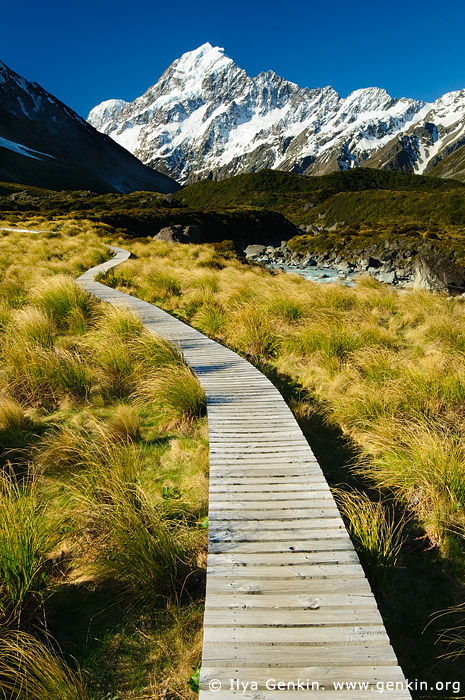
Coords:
pixel 329 511
pixel 287 619
pixel 238 526
pixel 318 499
pixel 320 571
pixel 250 479
pixel 274 535
pixel 274 471
pixel 304 636
pixel 269 486
pixel 305 693
pixel 273 496
pixel 295 586
pixel 281 656
pixel 290 601
pixel 339 544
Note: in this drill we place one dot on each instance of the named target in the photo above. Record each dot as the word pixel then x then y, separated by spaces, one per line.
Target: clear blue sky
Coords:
pixel 89 51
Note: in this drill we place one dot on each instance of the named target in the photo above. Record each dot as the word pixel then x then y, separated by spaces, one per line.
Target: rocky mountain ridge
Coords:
pixel 205 117
pixel 44 143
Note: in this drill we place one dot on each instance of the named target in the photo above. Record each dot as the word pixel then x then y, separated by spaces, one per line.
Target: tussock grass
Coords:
pixel 369 356
pixel 28 536
pixel 425 465
pixel 125 353
pixel 110 345
pixel 207 283
pixel 13 292
pixel 124 423
pixel 374 530
pixel 210 318
pixel 177 393
pixel 288 309
pixel 150 553
pixel 165 285
pixel 94 449
pixel 42 376
pixel 93 516
pixel 117 322
pixel 256 335
pixel 30 670
pixel 12 415
pixel 69 306
pixel 155 352
pixel 33 326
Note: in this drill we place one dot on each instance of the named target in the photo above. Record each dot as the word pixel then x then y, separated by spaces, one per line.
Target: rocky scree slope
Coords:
pixel 44 143
pixel 206 117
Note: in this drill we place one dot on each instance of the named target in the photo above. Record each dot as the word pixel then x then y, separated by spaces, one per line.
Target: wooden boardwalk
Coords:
pixel 287 600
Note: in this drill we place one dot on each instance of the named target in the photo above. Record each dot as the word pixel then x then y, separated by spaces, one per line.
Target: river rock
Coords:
pixel 180 234
pixel 387 277
pixel 369 263
pixel 435 273
pixel 254 251
pixel 344 266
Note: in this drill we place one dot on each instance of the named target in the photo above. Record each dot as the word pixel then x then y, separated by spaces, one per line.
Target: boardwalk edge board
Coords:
pixel 287 599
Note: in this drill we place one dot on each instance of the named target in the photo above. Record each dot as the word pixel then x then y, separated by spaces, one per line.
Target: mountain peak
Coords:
pixel 206 117
pixel 369 99
pixel 204 59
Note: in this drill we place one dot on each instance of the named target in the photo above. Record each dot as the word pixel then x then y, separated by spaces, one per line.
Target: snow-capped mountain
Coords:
pixel 206 117
pixel 43 142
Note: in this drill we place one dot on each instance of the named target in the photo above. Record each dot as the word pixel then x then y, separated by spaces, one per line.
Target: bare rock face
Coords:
pixel 437 274
pixel 180 234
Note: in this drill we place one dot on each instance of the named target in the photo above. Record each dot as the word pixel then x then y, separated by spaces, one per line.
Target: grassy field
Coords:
pixel 377 380
pixel 103 488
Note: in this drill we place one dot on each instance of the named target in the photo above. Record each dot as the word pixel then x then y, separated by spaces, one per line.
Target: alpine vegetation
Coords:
pixel 102 438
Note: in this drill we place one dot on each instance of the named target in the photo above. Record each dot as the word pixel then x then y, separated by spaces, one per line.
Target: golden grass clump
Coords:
pixel 124 423
pixel 33 326
pixel 29 534
pixel 424 463
pixel 70 307
pixel 31 670
pixel 41 376
pixel 92 448
pixel 176 392
pixel 12 415
pixel 254 333
pixel 374 530
pixel 149 552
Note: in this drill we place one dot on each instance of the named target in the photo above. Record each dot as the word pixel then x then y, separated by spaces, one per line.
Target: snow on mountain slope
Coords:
pixel 23 150
pixel 206 117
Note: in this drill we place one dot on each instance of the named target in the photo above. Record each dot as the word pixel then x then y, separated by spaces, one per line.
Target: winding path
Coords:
pixel 287 599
